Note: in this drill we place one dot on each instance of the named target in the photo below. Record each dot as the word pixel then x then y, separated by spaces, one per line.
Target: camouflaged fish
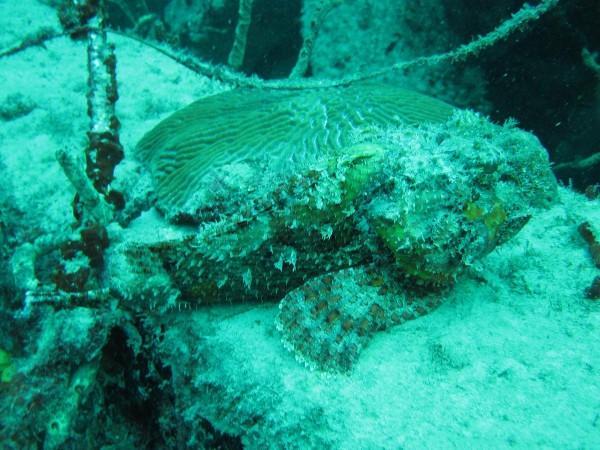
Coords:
pixel 353 207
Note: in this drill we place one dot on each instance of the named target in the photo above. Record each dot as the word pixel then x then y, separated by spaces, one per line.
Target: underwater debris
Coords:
pixel 236 56
pixel 593 292
pixel 38 37
pixel 142 21
pixel 589 236
pixel 104 150
pixel 73 14
pixel 310 35
pixel 89 201
pixel 77 271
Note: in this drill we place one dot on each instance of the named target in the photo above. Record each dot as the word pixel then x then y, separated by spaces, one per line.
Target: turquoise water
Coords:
pixel 302 224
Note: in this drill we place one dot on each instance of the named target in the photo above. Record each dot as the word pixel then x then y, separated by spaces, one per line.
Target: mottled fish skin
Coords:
pixel 330 319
